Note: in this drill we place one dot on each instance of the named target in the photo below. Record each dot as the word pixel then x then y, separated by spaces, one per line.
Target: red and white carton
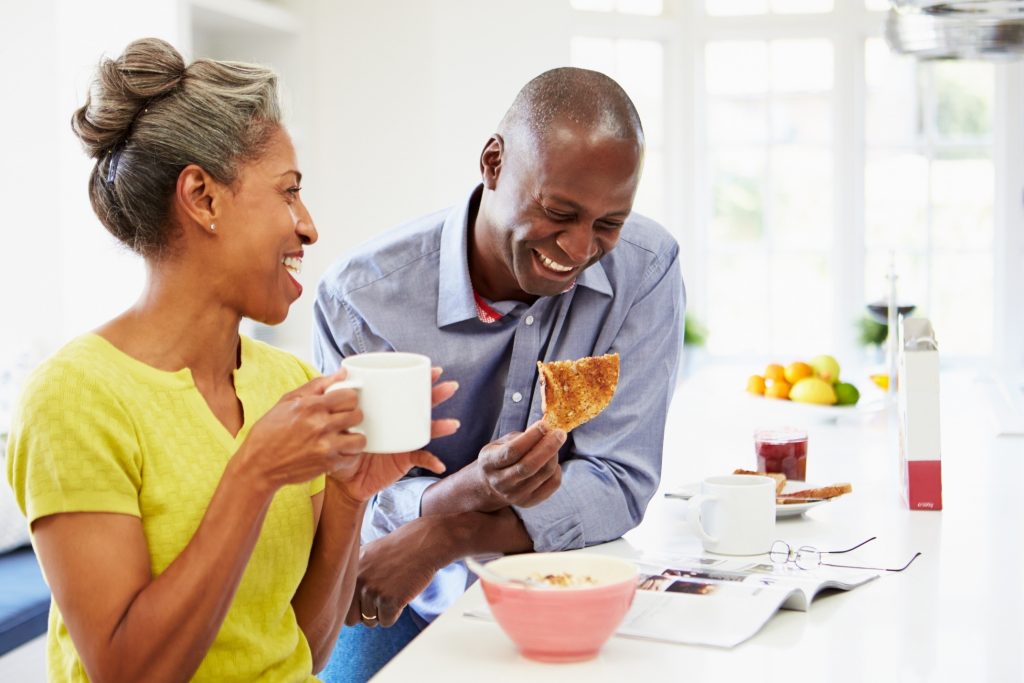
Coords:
pixel 918 391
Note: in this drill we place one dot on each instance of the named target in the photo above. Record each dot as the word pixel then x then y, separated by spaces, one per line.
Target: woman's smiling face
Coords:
pixel 264 228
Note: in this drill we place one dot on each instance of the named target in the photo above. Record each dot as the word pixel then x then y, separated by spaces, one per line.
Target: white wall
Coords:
pixel 67 275
pixel 405 94
pixel 391 102
pixel 28 176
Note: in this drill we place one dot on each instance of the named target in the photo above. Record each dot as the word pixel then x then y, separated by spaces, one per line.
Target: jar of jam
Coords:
pixel 782 450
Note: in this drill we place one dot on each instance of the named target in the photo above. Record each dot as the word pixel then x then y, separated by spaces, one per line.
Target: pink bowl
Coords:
pixel 561 624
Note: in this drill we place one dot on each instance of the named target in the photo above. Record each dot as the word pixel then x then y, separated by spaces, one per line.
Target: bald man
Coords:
pixel 544 260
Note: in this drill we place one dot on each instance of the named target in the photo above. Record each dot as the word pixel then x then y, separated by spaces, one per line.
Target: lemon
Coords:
pixel 827 368
pixel 797 371
pixel 846 394
pixel 881 380
pixel 813 390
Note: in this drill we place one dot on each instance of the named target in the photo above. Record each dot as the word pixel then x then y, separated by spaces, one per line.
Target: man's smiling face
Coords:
pixel 551 209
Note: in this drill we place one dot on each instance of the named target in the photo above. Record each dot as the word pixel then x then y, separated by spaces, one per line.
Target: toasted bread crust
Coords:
pixel 822 492
pixel 803 495
pixel 573 392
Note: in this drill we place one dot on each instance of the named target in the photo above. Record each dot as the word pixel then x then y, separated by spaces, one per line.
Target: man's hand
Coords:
pixel 393 570
pixel 520 468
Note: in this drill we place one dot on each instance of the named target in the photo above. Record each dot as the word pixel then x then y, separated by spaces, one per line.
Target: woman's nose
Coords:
pixel 306 228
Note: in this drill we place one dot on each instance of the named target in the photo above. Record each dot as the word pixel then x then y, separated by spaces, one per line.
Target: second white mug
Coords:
pixel 734 514
pixel 394 395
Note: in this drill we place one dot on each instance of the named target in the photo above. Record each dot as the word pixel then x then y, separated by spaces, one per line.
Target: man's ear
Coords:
pixel 197 197
pixel 490 160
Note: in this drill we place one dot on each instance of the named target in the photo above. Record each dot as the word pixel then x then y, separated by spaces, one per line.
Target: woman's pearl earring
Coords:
pixel 213 227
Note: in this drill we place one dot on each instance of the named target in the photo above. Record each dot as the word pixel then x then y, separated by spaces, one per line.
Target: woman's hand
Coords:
pixel 303 436
pixel 363 475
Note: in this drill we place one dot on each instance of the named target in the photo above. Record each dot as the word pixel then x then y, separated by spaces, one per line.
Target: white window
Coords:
pixel 929 190
pixel 793 153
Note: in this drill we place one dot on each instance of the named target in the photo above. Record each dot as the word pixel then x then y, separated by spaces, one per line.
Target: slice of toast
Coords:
pixel 819 493
pixel 575 391
pixel 780 479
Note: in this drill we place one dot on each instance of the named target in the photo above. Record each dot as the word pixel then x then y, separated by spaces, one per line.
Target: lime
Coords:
pixel 846 394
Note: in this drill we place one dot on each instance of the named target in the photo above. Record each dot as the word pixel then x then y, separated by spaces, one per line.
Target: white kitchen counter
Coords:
pixel 956 614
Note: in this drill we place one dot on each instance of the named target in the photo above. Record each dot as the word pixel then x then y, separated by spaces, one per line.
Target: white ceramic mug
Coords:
pixel 734 514
pixel 394 395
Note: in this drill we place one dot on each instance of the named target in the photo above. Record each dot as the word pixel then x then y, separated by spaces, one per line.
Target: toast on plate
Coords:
pixel 780 479
pixel 803 495
pixel 820 493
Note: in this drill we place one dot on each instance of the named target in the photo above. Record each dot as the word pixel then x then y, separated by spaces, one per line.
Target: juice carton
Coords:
pixel 920 448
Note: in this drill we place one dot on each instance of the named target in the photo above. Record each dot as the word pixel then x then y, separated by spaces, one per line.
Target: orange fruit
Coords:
pixel 774 373
pixel 797 371
pixel 755 385
pixel 778 388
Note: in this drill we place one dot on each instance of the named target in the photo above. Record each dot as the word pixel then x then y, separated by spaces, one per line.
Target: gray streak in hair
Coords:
pixel 148 116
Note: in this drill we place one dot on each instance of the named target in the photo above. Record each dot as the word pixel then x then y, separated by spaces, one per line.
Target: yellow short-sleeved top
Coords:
pixel 98 431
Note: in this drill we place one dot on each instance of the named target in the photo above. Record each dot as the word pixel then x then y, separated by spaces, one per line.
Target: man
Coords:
pixel 522 270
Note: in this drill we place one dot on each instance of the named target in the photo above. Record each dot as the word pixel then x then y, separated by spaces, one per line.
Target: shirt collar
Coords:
pixel 595 278
pixel 455 301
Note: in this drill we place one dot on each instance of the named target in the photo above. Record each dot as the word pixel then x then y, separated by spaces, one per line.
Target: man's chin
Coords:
pixel 547 288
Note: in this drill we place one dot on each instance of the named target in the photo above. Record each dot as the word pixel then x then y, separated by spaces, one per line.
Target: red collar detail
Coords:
pixel 484 312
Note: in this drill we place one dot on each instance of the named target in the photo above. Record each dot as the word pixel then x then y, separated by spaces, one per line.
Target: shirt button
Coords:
pixel 529 320
pixel 517 397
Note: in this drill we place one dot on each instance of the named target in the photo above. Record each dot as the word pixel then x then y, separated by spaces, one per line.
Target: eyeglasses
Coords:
pixel 807 557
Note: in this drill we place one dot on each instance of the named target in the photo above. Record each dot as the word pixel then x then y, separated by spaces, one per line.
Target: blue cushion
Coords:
pixel 24 599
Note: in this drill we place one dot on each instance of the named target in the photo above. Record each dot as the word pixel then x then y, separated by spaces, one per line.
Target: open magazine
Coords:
pixel 719 601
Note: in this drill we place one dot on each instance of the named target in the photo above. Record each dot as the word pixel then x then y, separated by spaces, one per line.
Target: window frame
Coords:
pixel 684 31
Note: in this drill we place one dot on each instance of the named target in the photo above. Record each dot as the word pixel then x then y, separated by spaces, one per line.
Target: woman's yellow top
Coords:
pixel 98 431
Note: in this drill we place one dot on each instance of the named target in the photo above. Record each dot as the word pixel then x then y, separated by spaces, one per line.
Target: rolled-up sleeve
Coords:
pixel 394 506
pixel 614 461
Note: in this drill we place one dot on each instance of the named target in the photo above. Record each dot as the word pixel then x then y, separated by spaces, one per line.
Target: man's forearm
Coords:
pixel 458 493
pixel 476 533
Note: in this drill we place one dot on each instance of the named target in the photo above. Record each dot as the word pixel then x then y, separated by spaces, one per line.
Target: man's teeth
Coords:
pixel 553 265
pixel 293 264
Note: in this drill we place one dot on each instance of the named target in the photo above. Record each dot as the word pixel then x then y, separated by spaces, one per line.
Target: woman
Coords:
pixel 178 503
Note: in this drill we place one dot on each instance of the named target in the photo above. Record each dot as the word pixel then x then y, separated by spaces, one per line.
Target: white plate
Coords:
pixel 812 412
pixel 687 491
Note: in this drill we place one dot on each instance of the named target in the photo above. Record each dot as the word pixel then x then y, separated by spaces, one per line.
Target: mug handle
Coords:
pixel 345 384
pixel 694 516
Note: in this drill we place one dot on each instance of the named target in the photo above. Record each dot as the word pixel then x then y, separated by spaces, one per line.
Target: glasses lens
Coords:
pixel 808 557
pixel 779 553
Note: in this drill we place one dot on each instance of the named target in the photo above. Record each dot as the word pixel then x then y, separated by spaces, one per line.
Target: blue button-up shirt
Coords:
pixel 409 290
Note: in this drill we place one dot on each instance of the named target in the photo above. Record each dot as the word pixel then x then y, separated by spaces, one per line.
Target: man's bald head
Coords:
pixel 576 96
pixel 559 178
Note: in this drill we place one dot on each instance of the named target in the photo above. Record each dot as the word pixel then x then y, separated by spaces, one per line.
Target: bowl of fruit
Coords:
pixel 814 388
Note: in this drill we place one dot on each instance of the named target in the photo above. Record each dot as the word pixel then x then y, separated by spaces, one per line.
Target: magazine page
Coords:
pixel 722 602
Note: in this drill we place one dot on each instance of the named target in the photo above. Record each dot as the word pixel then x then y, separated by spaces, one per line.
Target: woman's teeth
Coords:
pixel 293 264
pixel 553 265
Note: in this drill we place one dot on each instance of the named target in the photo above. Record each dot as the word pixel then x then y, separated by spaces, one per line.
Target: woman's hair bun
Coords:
pixel 147 70
pixel 148 116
